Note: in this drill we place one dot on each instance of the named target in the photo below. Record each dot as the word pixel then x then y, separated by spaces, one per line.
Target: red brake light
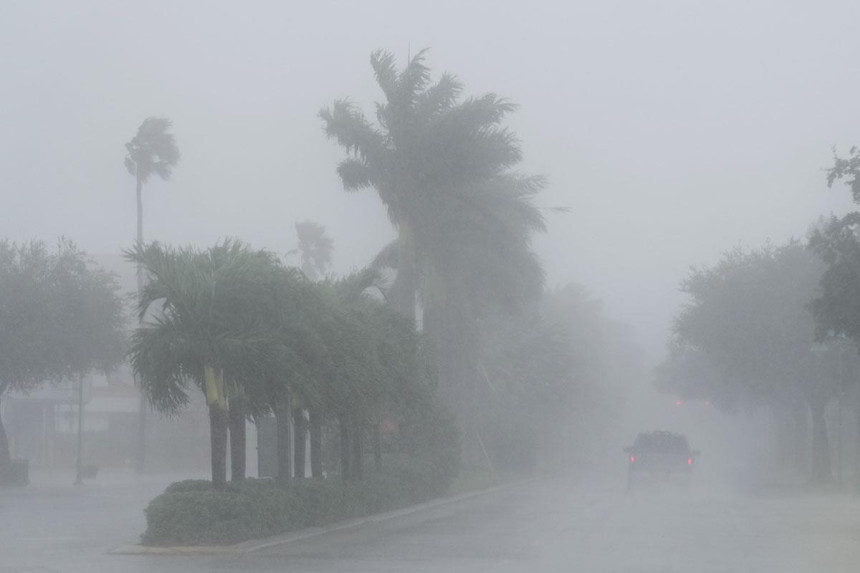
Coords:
pixel 632 459
pixel 689 461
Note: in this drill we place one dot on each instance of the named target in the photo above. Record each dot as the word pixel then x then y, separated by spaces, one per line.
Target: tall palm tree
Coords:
pixel 202 322
pixel 442 167
pixel 152 151
pixel 427 146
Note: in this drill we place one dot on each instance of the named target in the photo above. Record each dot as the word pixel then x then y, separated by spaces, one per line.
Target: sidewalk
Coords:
pixel 54 522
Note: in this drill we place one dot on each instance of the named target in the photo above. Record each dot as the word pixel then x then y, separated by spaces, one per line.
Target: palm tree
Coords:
pixel 202 322
pixel 315 249
pixel 152 151
pixel 348 378
pixel 441 166
pixel 427 146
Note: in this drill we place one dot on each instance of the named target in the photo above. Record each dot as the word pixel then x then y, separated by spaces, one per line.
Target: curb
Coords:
pixel 255 545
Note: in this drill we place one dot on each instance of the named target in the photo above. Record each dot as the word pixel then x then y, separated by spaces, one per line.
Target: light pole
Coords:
pixel 79 478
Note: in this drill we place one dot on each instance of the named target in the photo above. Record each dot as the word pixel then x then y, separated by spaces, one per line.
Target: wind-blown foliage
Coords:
pixel 202 323
pixel 246 330
pixel 152 150
pixel 315 249
pixel 442 167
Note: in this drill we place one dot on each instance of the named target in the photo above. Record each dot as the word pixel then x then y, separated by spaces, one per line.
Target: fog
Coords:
pixel 670 132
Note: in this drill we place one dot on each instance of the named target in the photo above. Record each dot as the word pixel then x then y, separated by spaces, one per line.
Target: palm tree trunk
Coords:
pixel 357 449
pixel 142 404
pixel 218 440
pixel 803 447
pixel 5 456
pixel 79 465
pixel 405 285
pixel 345 470
pixel 821 470
pixel 377 446
pixel 315 428
pixel 856 448
pixel 282 421
pixel 237 438
pixel 299 440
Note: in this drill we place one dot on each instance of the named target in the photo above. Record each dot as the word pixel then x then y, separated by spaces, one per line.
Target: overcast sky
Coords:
pixel 672 130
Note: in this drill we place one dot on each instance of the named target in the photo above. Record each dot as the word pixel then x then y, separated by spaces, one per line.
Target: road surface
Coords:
pixel 543 525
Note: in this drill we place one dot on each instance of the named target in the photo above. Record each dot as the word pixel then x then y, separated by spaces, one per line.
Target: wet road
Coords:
pixel 545 525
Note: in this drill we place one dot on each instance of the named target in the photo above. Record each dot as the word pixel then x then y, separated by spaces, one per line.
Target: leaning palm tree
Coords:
pixel 152 151
pixel 203 323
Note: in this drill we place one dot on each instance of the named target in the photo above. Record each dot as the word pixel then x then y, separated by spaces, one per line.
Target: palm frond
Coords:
pixel 355 174
pixel 346 124
pixel 438 98
pixel 384 66
pixel 152 150
pixel 387 257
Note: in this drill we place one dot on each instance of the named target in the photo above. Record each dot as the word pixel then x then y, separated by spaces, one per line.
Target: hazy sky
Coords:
pixel 672 130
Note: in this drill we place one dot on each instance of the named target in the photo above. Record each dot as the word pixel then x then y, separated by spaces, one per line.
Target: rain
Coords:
pixel 448 286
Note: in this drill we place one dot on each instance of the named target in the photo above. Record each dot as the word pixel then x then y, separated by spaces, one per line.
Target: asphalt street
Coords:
pixel 543 525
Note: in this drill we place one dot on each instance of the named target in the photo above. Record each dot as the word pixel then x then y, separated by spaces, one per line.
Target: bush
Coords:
pixel 191 512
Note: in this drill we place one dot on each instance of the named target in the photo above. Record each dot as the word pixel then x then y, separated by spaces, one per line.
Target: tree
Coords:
pixel 847 170
pixel 315 249
pixel 60 318
pixel 837 308
pixel 349 381
pixel 442 167
pixel 372 373
pixel 749 317
pixel 152 151
pixel 202 323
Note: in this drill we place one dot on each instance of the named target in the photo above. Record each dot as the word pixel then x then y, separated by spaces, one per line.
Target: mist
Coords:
pixel 669 135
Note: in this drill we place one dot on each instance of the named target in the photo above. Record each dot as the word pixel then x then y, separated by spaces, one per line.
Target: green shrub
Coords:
pixel 191 512
pixel 189 485
pixel 194 513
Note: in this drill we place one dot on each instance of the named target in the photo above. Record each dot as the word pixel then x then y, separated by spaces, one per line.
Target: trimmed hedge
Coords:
pixel 191 512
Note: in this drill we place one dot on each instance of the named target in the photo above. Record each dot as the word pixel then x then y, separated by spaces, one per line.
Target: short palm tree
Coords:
pixel 202 322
